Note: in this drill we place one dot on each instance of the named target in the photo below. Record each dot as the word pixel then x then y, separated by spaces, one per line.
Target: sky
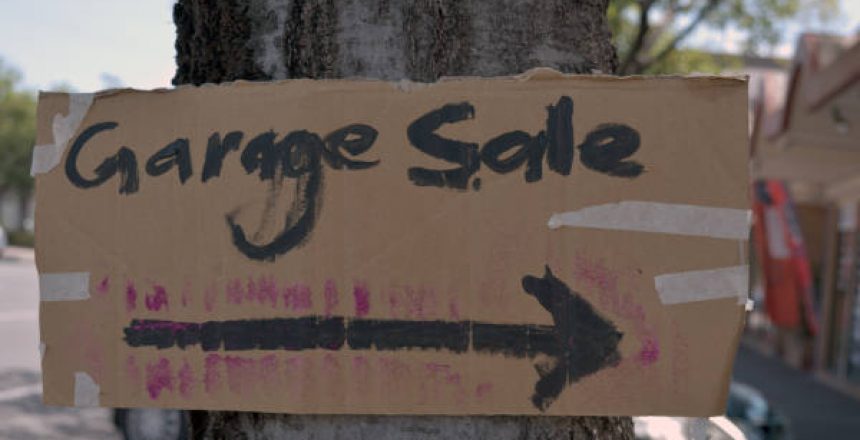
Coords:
pixel 89 44
pixel 731 40
pixel 95 44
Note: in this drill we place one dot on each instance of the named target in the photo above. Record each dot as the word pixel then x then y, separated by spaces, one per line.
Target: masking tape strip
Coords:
pixel 64 286
pixel 703 285
pixel 667 218
pixel 47 156
pixel 86 390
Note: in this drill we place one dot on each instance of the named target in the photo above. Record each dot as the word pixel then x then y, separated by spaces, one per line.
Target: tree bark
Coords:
pixel 419 40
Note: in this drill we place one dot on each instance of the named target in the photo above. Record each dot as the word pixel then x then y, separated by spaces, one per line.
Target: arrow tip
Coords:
pixel 587 341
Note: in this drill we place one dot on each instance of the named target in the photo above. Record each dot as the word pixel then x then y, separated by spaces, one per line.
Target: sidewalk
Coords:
pixel 24 417
pixel 18 253
pixel 814 410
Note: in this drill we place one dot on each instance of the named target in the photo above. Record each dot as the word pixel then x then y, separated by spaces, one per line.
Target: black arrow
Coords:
pixel 580 342
pixel 588 341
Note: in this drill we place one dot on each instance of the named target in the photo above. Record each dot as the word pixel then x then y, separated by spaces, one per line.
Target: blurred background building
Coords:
pixel 805 148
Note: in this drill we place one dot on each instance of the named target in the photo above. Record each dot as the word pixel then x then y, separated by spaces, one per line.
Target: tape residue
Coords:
pixel 666 218
pixel 86 390
pixel 47 156
pixel 703 285
pixel 64 286
pixel 42 348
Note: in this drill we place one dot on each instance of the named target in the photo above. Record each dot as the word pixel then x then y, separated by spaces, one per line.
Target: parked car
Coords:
pixel 3 241
pixel 749 416
pixel 684 428
pixel 747 406
pixel 151 423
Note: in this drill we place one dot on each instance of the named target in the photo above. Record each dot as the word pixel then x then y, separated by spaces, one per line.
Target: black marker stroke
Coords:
pixel 579 343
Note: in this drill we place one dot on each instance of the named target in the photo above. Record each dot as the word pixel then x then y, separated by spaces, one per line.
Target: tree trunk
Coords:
pixel 420 40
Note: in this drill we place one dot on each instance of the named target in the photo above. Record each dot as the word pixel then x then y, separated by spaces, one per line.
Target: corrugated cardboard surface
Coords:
pixel 383 248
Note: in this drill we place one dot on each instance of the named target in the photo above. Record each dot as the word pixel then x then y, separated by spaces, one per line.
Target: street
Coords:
pixel 19 311
pixel 814 410
pixel 21 411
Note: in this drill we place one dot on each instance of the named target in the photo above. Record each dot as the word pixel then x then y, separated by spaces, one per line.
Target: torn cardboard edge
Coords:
pixel 86 390
pixel 666 218
pixel 406 85
pixel 48 156
pixel 64 286
pixel 704 285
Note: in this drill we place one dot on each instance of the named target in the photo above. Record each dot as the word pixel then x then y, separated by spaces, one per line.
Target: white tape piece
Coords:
pixel 666 218
pixel 42 348
pixel 703 285
pixel 86 390
pixel 64 286
pixel 47 156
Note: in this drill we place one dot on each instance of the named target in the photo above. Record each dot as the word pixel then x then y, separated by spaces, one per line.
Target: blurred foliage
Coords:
pixel 698 61
pixel 17 131
pixel 649 34
pixel 21 238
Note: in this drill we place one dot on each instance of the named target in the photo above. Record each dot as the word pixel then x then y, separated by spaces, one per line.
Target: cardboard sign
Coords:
pixel 542 244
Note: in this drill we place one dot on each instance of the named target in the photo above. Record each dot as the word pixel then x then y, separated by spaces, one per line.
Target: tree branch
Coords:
pixel 636 47
pixel 700 17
